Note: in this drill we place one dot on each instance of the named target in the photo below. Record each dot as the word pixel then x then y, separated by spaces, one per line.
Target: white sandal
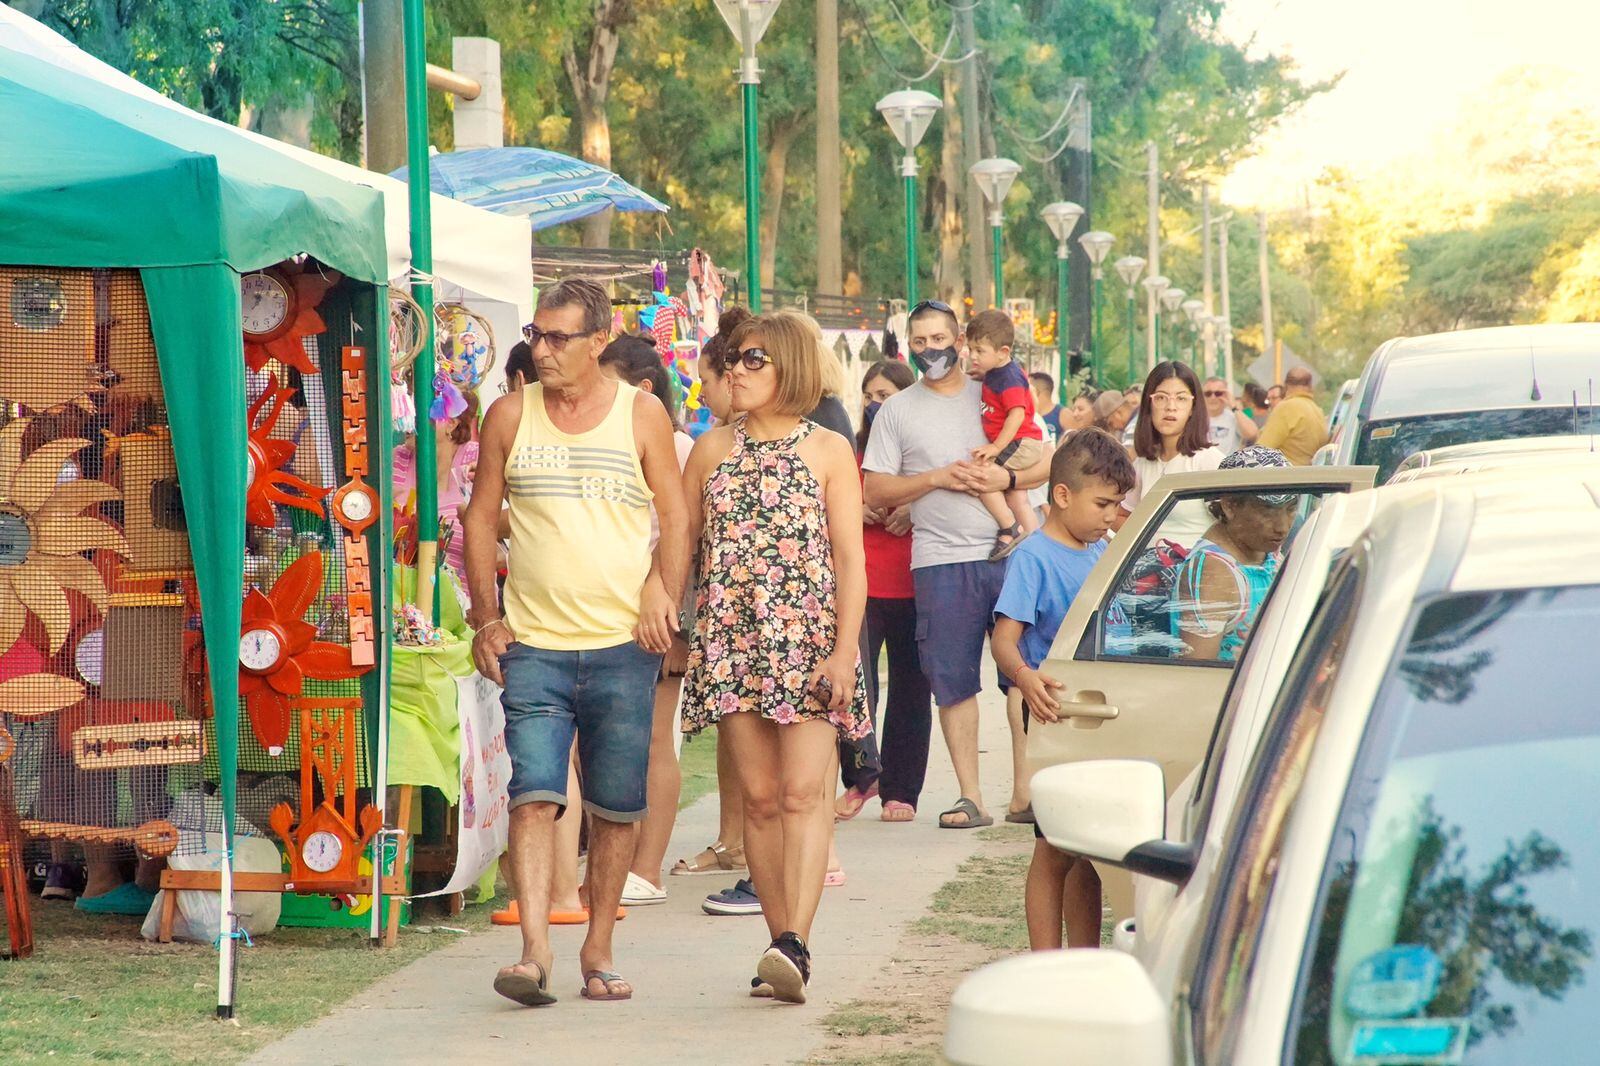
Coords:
pixel 641 893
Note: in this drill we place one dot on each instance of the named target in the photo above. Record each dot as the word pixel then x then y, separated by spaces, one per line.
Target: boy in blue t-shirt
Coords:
pixel 1089 476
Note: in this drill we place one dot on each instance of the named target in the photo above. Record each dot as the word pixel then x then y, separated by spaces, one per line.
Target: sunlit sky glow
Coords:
pixel 1410 66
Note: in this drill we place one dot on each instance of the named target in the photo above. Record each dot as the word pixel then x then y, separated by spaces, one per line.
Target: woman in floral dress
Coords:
pixel 774 656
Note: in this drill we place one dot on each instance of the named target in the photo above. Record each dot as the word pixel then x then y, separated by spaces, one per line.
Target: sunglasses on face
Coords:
pixel 931 305
pixel 1218 393
pixel 557 340
pixel 752 358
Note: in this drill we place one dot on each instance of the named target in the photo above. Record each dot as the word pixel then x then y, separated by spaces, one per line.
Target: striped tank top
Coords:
pixel 580 529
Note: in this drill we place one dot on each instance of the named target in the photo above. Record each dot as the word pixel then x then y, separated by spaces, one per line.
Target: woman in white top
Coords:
pixel 1172 436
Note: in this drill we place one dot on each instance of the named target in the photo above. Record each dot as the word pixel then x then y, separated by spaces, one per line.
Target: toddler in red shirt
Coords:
pixel 1015 440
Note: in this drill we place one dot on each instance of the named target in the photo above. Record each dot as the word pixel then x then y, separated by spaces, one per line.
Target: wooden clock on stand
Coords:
pixel 355 508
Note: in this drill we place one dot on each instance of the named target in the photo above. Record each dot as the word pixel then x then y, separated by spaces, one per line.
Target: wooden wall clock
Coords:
pixel 278 310
pixel 325 847
pixel 355 507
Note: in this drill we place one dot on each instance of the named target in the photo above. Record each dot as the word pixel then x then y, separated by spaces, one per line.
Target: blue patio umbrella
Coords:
pixel 546 188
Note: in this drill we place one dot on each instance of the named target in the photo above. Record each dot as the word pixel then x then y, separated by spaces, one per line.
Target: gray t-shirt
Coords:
pixel 920 430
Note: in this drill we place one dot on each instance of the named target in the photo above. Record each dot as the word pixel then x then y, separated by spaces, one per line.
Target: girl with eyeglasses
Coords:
pixel 775 505
pixel 1172 436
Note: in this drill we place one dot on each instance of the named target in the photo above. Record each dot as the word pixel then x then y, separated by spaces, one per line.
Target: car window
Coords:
pixel 1249 866
pixel 1457 919
pixel 1387 443
pixel 1343 584
pixel 1191 590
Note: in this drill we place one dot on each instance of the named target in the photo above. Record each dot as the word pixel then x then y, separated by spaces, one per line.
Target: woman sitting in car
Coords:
pixel 1219 588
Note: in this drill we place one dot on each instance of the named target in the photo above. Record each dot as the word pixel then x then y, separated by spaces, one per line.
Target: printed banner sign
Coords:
pixel 483 816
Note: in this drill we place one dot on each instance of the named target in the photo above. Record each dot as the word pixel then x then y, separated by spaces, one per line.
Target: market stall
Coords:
pixel 195 512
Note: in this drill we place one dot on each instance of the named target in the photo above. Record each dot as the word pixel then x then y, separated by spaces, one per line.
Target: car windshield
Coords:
pixel 1458 918
pixel 1386 444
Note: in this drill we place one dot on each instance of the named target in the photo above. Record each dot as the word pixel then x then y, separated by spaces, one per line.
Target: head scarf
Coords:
pixel 1255 457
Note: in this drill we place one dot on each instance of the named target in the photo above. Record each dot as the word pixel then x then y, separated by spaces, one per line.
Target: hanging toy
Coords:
pixel 402 406
pixel 448 400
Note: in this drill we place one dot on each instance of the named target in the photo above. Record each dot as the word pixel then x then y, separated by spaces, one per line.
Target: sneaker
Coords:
pixel 740 899
pixel 786 966
pixel 62 881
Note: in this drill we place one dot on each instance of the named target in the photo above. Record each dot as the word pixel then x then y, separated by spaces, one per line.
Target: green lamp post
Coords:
pixel 1062 218
pixel 1155 285
pixel 749 19
pixel 994 177
pixel 909 113
pixel 1129 267
pixel 1193 310
pixel 1171 300
pixel 1097 245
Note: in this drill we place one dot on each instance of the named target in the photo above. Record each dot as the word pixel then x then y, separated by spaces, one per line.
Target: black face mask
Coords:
pixel 871 411
pixel 936 363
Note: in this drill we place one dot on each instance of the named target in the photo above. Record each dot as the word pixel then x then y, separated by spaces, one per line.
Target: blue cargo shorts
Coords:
pixel 604 697
pixel 955 611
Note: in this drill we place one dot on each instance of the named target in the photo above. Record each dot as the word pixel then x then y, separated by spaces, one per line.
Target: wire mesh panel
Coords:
pixel 98 607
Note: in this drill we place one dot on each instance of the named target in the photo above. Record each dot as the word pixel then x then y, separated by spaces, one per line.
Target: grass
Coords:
pixel 95 990
pixel 982 904
pixel 698 762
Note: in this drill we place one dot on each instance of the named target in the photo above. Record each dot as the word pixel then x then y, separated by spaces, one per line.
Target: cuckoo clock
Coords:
pixel 325 847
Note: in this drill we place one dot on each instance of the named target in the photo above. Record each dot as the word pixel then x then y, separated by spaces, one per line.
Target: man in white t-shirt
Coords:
pixel 1230 429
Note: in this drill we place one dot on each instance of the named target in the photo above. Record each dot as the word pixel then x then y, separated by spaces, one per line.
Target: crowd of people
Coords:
pixel 752 580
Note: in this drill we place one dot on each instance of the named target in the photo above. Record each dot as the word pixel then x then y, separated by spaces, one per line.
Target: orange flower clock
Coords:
pixel 278 650
pixel 278 309
pixel 270 483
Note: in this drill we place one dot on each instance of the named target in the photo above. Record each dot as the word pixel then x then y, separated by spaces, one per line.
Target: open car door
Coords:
pixel 1147 649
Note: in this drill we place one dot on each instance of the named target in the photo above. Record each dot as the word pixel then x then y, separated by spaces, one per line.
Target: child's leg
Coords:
pixel 1016 715
pixel 1017 503
pixel 1043 896
pixel 1081 907
pixel 999 509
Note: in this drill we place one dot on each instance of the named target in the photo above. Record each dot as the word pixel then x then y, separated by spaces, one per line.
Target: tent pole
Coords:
pixel 420 186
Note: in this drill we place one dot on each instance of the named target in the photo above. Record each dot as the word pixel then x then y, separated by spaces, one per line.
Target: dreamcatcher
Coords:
pixel 406 337
pixel 465 343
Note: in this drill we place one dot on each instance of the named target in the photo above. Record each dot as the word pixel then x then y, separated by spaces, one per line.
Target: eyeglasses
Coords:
pixel 1220 394
pixel 558 340
pixel 1170 399
pixel 752 358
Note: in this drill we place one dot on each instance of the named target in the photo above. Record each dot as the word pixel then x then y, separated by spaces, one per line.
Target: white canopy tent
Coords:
pixel 480 259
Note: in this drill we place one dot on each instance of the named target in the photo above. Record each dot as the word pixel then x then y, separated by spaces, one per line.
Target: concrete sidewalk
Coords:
pixel 691 971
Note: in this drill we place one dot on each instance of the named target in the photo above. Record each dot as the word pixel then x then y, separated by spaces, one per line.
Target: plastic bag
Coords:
pixel 199 915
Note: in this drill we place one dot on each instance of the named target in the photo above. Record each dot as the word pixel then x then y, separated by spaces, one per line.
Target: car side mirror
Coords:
pixel 1113 811
pixel 1051 1007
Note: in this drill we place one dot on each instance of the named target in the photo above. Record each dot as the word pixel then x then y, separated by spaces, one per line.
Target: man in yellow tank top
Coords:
pixel 588 612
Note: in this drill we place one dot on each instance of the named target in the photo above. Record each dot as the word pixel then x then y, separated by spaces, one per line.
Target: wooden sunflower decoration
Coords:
pixel 279 310
pixel 270 482
pixel 278 650
pixel 43 533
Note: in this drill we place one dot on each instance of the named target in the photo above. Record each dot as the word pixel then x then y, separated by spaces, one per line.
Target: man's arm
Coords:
pixel 480 525
pixel 663 588
pixel 1248 430
pixel 888 491
pixel 978 478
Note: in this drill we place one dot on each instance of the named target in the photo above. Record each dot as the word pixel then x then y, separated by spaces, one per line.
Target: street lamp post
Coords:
pixel 908 113
pixel 994 176
pixel 1194 311
pixel 1062 218
pixel 1129 267
pixel 749 19
pixel 1096 245
pixel 1155 285
pixel 1171 300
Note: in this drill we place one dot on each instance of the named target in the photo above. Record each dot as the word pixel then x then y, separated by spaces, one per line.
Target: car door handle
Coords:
pixel 1088 704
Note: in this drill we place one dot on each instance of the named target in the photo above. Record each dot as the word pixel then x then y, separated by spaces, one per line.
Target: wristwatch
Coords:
pixel 355 507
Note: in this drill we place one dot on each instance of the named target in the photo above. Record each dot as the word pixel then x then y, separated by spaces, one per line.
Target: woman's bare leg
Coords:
pixel 807 750
pixel 664 783
pixel 753 744
pixel 730 799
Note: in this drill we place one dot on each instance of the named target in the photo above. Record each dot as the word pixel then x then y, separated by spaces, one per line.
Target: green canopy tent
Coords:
pixel 97 178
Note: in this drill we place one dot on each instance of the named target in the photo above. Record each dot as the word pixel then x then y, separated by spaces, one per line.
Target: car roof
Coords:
pixel 1526 531
pixel 1529 453
pixel 1485 369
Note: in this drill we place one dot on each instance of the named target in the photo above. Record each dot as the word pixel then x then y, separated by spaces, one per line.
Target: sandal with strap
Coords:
pixel 717 858
pixel 1006 542
pixel 897 811
pixel 964 806
pixel 849 805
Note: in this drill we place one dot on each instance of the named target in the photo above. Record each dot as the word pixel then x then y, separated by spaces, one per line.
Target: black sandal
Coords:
pixel 786 966
pixel 1006 542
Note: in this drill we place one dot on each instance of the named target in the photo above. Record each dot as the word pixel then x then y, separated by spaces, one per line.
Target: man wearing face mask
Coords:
pixel 920 454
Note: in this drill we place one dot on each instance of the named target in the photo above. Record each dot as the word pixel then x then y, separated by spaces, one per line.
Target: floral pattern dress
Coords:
pixel 764 614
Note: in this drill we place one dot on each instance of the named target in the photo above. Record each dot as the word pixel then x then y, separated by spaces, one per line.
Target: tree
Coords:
pixel 588 60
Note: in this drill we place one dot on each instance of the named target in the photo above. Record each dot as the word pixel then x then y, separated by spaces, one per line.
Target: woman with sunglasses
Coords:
pixel 1172 436
pixel 773 661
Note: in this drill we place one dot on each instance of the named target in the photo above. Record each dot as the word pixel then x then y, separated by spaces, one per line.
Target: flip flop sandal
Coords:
pixel 528 991
pixel 895 807
pixel 608 979
pixel 853 799
pixel 833 879
pixel 715 859
pixel 968 808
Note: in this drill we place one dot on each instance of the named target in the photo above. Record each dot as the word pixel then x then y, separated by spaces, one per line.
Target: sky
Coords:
pixel 1409 66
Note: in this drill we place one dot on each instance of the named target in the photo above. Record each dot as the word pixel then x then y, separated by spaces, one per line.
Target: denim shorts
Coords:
pixel 604 697
pixel 955 611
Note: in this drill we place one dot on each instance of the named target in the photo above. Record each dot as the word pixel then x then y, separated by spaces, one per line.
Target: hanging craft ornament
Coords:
pixel 355 507
pixel 267 460
pixel 466 345
pixel 278 308
pixel 278 650
pixel 43 533
pixel 406 335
